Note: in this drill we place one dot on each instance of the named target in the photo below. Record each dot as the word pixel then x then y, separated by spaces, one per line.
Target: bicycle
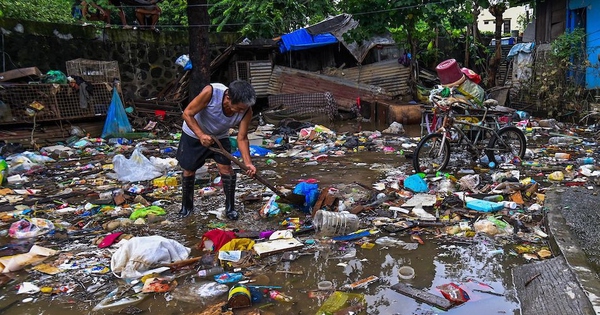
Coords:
pixel 501 144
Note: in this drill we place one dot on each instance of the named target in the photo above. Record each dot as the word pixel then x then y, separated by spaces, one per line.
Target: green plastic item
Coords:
pixel 340 300
pixel 499 223
pixel 144 212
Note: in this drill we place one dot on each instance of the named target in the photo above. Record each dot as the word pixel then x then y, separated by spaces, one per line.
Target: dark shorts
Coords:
pixel 191 154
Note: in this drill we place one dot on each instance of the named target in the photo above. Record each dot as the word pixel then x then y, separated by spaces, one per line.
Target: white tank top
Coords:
pixel 212 120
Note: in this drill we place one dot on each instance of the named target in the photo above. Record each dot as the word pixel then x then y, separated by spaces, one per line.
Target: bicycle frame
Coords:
pixel 448 125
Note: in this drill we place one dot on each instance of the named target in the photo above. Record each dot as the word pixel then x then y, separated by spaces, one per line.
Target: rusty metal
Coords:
pixel 60 102
pixel 290 81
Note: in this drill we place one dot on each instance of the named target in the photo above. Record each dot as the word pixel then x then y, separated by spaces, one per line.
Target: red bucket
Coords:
pixel 449 72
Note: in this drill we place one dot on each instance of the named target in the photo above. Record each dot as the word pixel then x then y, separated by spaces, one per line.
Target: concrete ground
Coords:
pixel 573 218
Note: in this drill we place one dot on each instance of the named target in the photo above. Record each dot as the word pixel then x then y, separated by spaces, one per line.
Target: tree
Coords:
pixel 197 13
pixel 57 11
pixel 268 19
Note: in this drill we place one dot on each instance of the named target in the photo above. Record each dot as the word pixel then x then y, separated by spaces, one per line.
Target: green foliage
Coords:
pixel 560 76
pixel 268 19
pixel 57 11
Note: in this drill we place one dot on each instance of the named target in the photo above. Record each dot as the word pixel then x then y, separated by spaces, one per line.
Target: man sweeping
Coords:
pixel 212 113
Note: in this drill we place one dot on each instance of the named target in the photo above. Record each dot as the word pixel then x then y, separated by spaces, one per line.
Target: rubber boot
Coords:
pixel 229 182
pixel 187 195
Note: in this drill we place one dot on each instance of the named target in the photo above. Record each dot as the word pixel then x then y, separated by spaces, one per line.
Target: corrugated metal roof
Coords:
pixel 260 74
pixel 289 81
pixel 389 75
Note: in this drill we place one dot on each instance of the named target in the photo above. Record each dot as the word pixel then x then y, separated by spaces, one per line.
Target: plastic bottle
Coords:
pixel 3 171
pixel 205 273
pixel 329 223
pixel 586 160
pixel 562 156
pixel 560 140
pixel 494 198
pixel 166 150
pixel 261 119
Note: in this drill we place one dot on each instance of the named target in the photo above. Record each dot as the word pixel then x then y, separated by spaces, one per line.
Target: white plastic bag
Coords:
pixel 139 254
pixel 136 168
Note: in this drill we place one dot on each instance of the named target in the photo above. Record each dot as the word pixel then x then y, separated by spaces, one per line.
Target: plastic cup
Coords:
pixel 325 285
pixel 406 272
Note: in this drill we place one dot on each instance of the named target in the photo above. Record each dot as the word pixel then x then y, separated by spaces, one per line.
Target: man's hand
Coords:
pixel 206 140
pixel 251 169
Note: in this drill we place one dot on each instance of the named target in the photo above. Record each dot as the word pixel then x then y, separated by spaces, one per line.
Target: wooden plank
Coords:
pixel 550 287
pixel 422 296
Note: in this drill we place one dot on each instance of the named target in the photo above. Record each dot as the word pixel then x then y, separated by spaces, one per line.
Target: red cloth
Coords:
pixel 218 237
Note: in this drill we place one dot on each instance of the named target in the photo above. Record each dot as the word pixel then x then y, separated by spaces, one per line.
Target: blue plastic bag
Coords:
pixel 255 150
pixel 310 192
pixel 415 183
pixel 116 122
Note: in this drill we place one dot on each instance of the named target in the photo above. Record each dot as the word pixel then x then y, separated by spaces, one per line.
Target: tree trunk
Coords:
pixel 197 12
pixel 497 11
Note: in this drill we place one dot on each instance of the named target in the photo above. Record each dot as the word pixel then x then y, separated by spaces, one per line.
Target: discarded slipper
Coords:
pixel 109 239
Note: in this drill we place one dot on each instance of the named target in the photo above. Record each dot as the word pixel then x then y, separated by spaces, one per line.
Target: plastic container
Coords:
pixel 406 272
pixel 449 72
pixel 329 223
pixel 239 297
pixel 325 285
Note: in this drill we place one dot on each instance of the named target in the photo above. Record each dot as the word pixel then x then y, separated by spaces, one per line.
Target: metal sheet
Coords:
pixel 260 74
pixel 389 75
pixel 289 81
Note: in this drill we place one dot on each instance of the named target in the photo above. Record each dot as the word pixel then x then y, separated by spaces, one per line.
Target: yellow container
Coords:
pixel 165 181
pixel 239 297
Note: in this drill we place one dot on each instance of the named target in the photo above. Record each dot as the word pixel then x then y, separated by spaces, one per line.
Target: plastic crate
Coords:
pixel 94 70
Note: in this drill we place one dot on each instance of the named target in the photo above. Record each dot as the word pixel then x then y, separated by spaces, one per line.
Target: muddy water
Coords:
pixel 435 262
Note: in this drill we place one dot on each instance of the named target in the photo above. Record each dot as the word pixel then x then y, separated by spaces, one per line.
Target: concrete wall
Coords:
pixel 146 59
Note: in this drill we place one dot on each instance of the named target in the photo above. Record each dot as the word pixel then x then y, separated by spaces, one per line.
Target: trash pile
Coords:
pixel 94 219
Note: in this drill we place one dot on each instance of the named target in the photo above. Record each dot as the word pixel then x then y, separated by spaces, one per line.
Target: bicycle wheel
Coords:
pixel 431 154
pixel 507 145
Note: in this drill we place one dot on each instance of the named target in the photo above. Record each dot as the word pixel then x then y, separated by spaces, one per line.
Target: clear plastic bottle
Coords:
pixel 328 223
pixel 560 140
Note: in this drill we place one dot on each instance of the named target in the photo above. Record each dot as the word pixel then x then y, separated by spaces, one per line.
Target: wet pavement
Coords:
pixel 365 177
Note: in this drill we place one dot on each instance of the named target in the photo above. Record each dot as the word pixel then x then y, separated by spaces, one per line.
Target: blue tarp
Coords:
pixel 301 39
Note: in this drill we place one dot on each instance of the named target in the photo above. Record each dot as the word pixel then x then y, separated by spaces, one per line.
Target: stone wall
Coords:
pixel 146 59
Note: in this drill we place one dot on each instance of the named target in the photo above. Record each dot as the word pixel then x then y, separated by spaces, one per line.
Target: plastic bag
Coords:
pixel 255 150
pixel 453 293
pixel 55 76
pixel 136 168
pixel 136 256
pixel 33 227
pixel 310 192
pixel 116 122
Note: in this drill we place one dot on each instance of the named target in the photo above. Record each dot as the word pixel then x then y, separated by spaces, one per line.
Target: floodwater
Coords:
pixel 475 264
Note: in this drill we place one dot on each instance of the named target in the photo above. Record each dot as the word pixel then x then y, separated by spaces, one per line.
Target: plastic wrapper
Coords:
pixel 136 168
pixel 33 227
pixel 453 293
